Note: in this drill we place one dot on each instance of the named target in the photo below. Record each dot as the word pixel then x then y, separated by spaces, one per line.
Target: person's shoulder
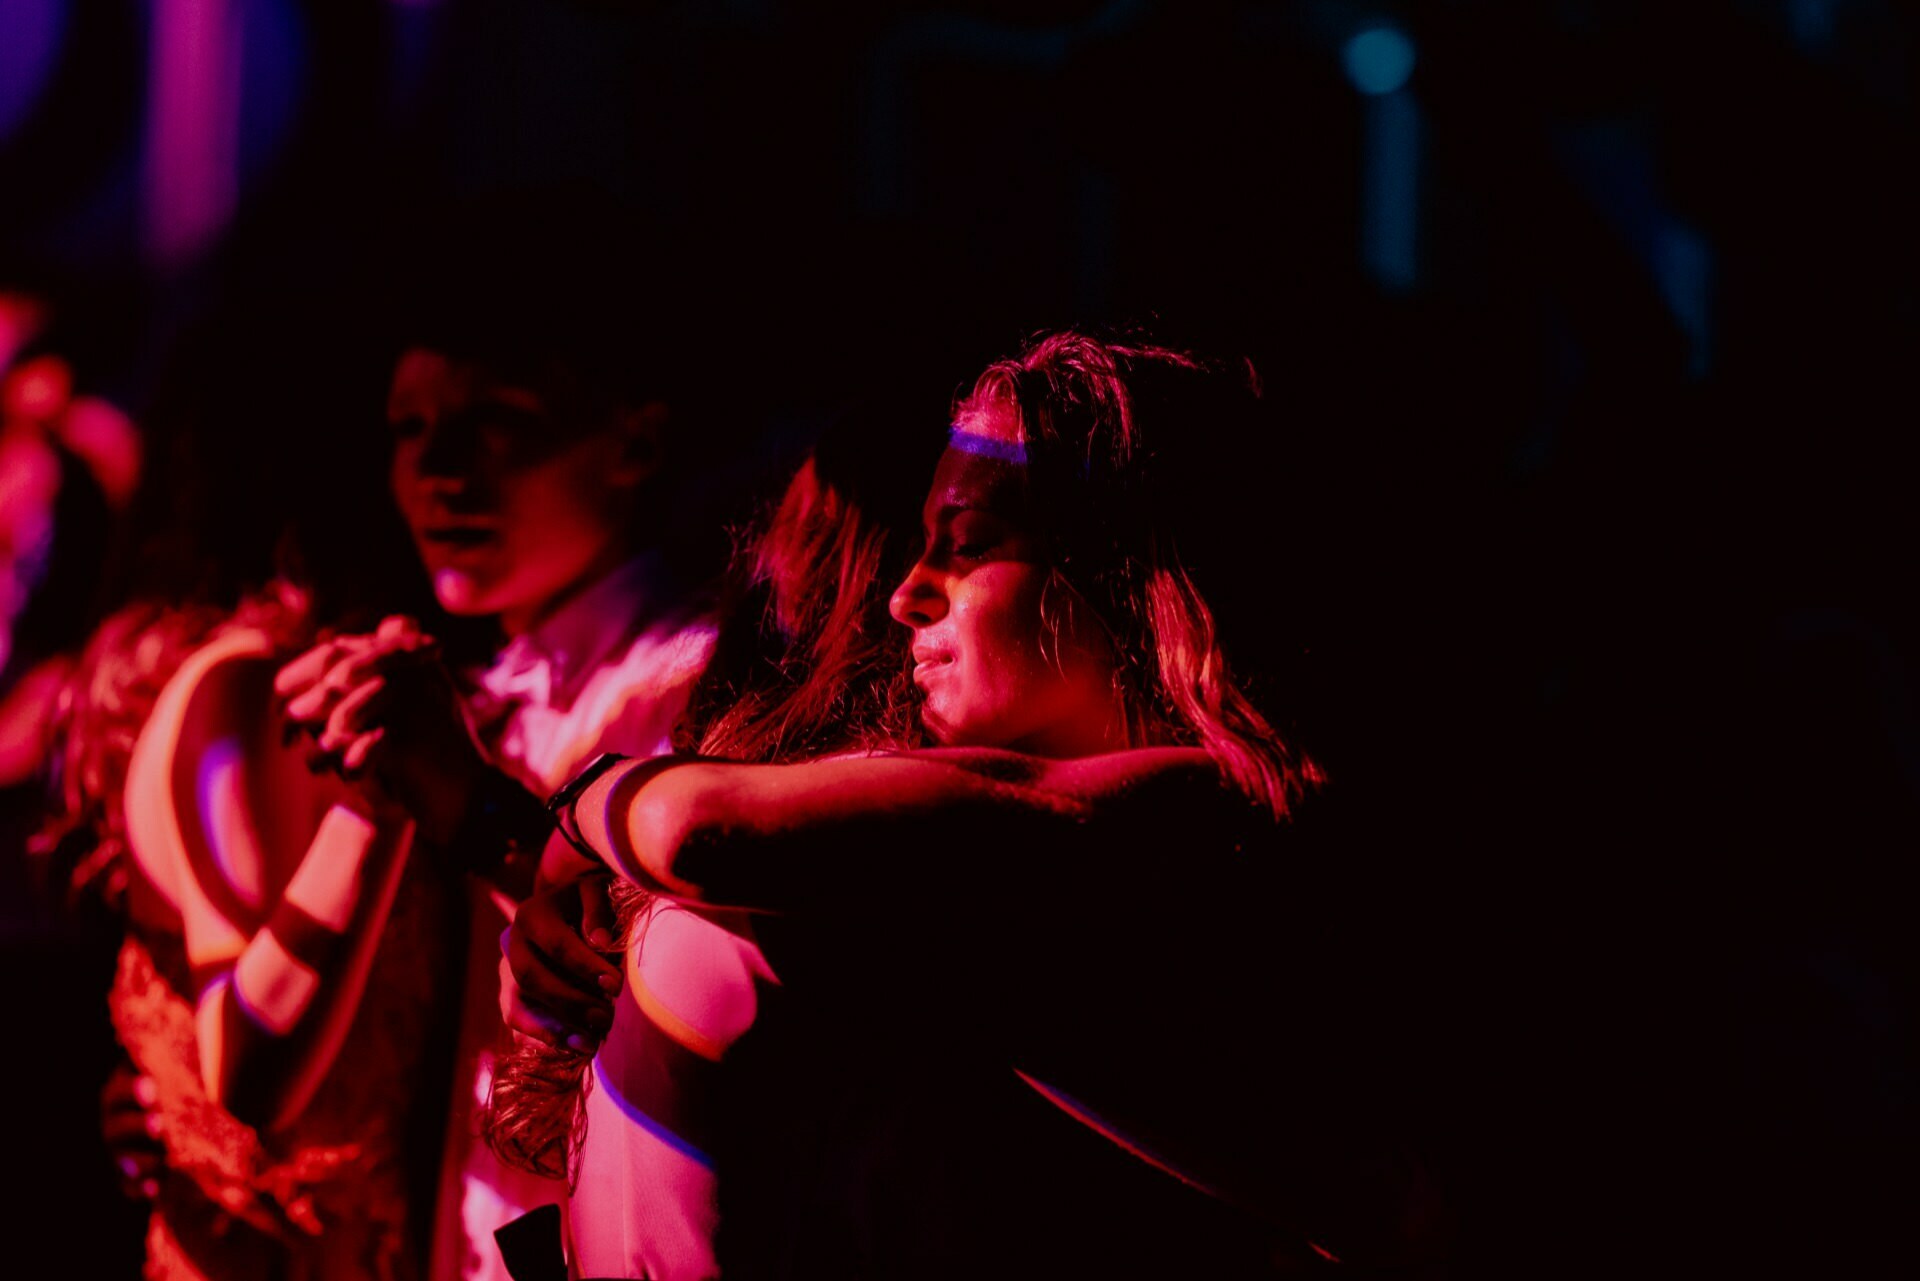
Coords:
pixel 671 650
pixel 226 666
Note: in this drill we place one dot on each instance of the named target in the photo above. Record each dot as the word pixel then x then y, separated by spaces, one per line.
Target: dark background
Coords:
pixel 1583 538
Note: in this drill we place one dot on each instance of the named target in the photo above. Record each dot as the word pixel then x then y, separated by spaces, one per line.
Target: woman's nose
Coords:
pixel 919 601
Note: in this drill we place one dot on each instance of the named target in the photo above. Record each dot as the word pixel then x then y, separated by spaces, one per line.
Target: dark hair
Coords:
pixel 806 665
pixel 558 283
pixel 1113 494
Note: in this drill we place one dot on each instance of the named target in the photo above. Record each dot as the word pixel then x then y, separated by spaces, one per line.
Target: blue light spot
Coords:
pixel 31 35
pixel 273 80
pixel 1379 60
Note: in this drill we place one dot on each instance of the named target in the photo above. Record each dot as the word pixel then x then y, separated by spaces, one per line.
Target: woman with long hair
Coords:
pixel 1073 881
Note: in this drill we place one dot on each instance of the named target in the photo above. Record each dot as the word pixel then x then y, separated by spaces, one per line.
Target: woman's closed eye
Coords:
pixel 974 536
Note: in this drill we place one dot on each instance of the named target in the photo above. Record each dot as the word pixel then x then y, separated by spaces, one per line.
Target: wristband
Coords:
pixel 560 805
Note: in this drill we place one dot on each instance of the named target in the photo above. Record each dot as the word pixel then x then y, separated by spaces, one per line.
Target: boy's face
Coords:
pixel 512 503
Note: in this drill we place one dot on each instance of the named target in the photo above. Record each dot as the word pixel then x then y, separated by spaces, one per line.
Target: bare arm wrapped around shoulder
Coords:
pixel 283 879
pixel 778 837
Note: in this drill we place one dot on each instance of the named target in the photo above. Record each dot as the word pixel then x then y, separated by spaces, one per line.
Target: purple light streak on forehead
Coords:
pixel 970 442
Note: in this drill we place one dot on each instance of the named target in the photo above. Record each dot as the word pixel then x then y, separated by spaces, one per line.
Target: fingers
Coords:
pixel 130 1132
pixel 310 666
pixel 596 915
pixel 348 672
pixel 343 692
pixel 355 714
pixel 560 983
pixel 343 662
pixel 399 627
pixel 563 987
pixel 353 761
pixel 529 1023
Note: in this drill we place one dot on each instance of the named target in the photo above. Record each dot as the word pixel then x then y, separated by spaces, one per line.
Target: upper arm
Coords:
pixel 217 805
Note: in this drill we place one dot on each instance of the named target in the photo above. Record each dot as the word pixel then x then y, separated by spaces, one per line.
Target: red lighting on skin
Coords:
pixel 38 389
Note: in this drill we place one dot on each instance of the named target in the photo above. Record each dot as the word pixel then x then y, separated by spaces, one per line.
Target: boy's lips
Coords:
pixel 458 537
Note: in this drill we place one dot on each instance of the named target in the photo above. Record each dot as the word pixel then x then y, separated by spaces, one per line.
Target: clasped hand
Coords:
pixel 383 713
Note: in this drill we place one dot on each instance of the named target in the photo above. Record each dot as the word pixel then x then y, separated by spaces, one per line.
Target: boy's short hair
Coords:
pixel 532 281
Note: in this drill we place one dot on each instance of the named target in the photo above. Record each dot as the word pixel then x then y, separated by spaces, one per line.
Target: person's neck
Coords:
pixel 517 622
pixel 1075 740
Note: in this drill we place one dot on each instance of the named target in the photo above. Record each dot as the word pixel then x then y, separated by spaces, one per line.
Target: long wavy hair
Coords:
pixel 80 848
pixel 1116 489
pixel 806 665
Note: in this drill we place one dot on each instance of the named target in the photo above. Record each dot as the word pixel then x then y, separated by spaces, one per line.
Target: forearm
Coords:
pixel 271 1024
pixel 771 837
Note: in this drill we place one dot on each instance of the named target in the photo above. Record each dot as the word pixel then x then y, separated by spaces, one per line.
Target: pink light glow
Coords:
pixel 229 835
pixel 38 389
pixel 193 127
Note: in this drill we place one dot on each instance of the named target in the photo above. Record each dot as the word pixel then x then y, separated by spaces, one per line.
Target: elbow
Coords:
pixel 668 820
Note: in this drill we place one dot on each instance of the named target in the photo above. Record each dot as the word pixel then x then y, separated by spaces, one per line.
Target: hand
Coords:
pixel 383 712
pixel 127 1125
pixel 555 986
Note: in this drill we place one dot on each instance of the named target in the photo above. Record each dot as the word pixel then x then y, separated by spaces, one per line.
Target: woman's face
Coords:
pixel 990 669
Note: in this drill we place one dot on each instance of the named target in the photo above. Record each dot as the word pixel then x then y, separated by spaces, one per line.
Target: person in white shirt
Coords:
pixel 530 476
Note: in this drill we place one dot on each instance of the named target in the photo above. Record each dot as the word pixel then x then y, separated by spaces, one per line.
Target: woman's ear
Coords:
pixel 642 442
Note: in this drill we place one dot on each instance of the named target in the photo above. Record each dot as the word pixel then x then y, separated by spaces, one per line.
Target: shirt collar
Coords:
pixel 547 665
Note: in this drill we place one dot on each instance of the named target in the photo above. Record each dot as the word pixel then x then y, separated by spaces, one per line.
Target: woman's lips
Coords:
pixel 928 661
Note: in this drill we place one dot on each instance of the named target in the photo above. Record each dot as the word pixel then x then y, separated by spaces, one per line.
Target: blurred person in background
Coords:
pixel 543 445
pixel 69 466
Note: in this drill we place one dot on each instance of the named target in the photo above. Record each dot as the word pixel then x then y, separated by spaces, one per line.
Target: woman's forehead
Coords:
pixel 970 477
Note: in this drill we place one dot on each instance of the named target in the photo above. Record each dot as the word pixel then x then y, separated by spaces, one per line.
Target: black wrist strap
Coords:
pixel 560 805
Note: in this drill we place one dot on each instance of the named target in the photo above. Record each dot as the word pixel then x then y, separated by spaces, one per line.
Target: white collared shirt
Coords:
pixel 610 670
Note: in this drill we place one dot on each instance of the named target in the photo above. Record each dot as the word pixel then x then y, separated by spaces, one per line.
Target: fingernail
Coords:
pixel 579 1044
pixel 610 984
pixel 145 1092
pixel 149 1188
pixel 600 939
pixel 129 1167
pixel 153 1126
pixel 503 939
